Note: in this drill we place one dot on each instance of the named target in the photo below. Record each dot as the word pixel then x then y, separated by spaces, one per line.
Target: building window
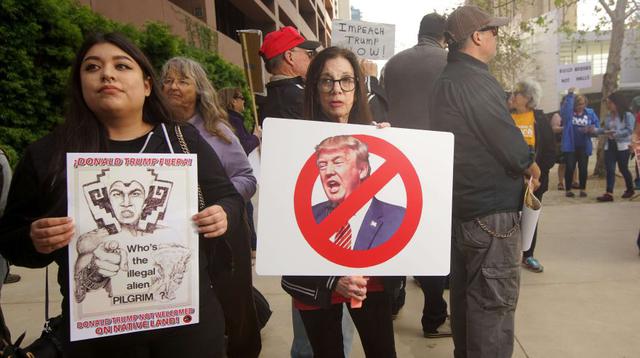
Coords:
pixel 197 12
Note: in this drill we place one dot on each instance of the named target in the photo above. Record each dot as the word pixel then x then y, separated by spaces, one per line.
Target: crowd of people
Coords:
pixel 503 143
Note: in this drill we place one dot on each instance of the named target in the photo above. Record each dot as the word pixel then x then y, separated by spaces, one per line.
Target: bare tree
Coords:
pixel 618 11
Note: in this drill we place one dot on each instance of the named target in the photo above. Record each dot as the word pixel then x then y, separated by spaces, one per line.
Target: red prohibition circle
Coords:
pixel 318 234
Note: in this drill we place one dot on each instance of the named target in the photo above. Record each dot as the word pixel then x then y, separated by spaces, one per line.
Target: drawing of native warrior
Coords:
pixel 129 205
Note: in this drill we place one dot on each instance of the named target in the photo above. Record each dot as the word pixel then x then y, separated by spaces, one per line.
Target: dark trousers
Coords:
pixel 252 226
pixel 485 281
pixel 621 157
pixel 434 311
pixel 582 159
pixel 373 322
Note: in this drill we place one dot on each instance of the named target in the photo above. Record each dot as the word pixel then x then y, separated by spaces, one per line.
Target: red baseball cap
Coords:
pixel 286 38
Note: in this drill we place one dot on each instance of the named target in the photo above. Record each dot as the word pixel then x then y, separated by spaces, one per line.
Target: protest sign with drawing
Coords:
pixel 344 199
pixel 134 258
pixel 368 40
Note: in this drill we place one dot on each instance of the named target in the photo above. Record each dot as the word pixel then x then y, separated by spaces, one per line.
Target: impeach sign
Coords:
pixel 366 39
pixel 576 75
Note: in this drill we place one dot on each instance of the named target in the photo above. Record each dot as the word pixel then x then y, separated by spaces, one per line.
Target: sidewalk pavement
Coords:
pixel 585 304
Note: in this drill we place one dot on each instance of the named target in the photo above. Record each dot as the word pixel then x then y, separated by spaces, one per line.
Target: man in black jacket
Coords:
pixel 286 55
pixel 409 77
pixel 491 158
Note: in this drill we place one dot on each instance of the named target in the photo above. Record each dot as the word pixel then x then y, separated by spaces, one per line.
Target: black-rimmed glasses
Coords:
pixel 347 84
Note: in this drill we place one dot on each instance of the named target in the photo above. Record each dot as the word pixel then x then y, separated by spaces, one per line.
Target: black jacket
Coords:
pixel 33 196
pixel 408 78
pixel 377 98
pixel 285 99
pixel 490 154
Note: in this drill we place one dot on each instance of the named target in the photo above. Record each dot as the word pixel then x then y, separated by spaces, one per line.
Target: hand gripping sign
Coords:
pixel 341 199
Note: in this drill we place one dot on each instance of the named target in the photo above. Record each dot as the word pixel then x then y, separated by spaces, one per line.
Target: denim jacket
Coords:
pixel 623 130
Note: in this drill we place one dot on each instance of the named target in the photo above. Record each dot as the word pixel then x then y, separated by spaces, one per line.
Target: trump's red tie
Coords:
pixel 343 237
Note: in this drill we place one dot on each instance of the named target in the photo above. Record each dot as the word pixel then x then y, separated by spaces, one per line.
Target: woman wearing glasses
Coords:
pixel 192 98
pixel 335 92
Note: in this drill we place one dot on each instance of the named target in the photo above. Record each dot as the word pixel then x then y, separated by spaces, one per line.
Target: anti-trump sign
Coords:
pixel 344 199
pixel 369 40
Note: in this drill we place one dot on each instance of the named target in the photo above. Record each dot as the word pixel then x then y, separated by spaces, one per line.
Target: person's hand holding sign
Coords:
pixel 354 287
pixel 51 234
pixel 532 175
pixel 212 221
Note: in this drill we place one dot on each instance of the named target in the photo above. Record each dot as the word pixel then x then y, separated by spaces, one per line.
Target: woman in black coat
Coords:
pixel 537 132
pixel 116 107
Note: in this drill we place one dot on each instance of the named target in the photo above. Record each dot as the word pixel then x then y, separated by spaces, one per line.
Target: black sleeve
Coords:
pixel 545 144
pixel 23 207
pixel 248 141
pixel 484 107
pixel 310 290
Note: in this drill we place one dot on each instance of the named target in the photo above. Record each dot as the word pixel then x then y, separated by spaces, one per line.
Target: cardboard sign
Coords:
pixel 133 263
pixel 368 40
pixel 344 199
pixel 576 75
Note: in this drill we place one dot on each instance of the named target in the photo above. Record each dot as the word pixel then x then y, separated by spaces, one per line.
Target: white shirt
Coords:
pixel 355 222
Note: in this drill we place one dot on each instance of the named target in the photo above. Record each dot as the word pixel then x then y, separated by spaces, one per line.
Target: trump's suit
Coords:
pixel 380 222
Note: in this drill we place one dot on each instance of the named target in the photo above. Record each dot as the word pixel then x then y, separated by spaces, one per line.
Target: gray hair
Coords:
pixel 207 103
pixel 530 89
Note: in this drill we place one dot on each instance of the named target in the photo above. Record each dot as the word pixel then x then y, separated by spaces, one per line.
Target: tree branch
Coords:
pixel 635 7
pixel 607 8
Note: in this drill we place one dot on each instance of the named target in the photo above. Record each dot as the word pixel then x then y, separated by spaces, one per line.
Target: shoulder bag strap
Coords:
pixel 185 150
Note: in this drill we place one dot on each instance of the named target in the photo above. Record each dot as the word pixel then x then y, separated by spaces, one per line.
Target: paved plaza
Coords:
pixel 584 305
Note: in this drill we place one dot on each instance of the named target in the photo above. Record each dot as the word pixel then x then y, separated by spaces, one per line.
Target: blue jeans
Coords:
pixel 301 348
pixel 621 157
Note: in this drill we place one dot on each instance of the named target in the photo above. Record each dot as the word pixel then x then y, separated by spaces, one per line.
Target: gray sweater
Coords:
pixel 233 158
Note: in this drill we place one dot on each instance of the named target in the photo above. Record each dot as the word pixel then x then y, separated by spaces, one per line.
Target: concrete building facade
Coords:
pixel 311 17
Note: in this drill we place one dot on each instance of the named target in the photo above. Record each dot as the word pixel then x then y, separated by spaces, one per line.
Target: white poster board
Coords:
pixel 576 75
pixel 400 214
pixel 368 40
pixel 133 263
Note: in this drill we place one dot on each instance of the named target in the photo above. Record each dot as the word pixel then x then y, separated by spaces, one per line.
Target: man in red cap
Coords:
pixel 286 55
pixel 491 158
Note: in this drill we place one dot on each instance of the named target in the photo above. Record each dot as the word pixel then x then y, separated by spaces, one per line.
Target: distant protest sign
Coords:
pixel 577 75
pixel 133 263
pixel 369 40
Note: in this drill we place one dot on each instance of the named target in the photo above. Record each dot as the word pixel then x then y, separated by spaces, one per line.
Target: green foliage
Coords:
pixel 39 39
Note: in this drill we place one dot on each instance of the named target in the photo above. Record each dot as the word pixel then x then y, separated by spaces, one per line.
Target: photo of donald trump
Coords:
pixel 343 164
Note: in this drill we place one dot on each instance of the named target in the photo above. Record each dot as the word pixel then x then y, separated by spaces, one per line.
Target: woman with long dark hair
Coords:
pixel 116 106
pixel 335 92
pixel 618 127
